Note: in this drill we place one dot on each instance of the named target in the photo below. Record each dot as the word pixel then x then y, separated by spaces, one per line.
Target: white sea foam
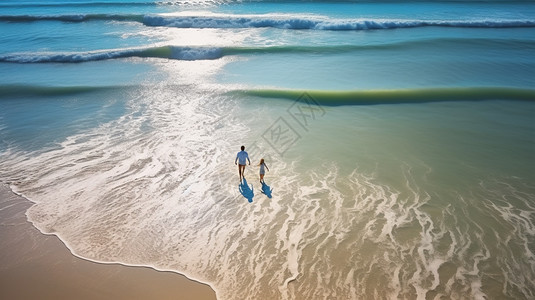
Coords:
pixel 204 19
pixel 168 52
pixel 314 22
pixel 283 21
pixel 140 199
pixel 157 187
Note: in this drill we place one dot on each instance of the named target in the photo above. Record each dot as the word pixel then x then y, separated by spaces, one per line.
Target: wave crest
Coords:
pixel 268 21
pixel 168 52
pixel 210 53
pixel 233 21
pixel 371 97
pixel 74 18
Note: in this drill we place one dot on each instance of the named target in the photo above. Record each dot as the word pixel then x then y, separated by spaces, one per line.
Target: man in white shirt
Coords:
pixel 240 158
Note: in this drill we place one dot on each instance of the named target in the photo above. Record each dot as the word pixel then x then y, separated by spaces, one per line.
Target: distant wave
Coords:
pixel 196 3
pixel 268 21
pixel 396 96
pixel 75 18
pixel 441 43
pixel 169 52
pixel 116 3
pixel 36 90
pixel 211 53
pixel 76 4
pixel 234 21
pixel 320 97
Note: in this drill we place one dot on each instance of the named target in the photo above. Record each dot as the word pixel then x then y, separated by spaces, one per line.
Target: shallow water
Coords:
pixel 121 122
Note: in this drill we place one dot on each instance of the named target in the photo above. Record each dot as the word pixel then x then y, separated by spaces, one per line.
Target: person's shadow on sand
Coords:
pixel 246 191
pixel 266 190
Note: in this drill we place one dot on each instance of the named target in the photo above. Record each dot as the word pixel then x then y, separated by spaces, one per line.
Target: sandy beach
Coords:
pixel 37 266
pixel 398 139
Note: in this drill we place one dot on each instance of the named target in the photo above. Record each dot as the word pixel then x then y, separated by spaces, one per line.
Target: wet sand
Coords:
pixel 38 266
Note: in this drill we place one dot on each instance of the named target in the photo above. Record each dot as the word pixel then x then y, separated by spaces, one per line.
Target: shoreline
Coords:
pixel 35 265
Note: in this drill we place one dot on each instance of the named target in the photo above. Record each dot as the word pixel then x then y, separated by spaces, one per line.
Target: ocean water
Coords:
pixel 399 136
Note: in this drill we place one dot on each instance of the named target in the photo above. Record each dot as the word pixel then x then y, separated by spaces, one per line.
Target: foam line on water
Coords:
pixel 280 21
pixel 119 161
pixel 167 52
pixel 513 206
pixel 197 3
pixel 212 53
pixel 315 22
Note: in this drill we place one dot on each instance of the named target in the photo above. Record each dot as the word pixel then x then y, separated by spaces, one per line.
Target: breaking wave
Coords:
pixel 317 23
pixel 169 52
pixel 268 20
pixel 210 53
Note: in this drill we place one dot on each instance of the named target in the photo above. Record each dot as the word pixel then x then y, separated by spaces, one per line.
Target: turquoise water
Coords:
pixel 400 138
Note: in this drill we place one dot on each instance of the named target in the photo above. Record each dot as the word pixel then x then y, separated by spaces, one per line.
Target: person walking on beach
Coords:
pixel 240 161
pixel 262 170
